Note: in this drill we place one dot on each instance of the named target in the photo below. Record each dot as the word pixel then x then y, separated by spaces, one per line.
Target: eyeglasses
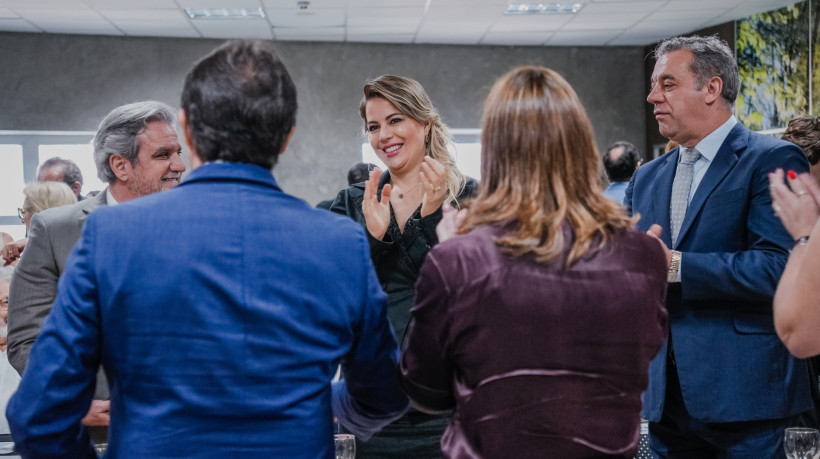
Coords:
pixel 21 212
pixel 4 302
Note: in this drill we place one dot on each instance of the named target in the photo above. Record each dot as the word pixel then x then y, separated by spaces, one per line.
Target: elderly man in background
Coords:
pixel 137 152
pixel 724 386
pixel 220 310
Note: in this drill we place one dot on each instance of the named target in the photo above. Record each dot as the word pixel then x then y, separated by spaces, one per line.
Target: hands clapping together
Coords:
pixel 377 211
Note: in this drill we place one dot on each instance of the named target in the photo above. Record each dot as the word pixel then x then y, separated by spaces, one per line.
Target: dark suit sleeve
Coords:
pixel 751 274
pixel 427 372
pixel 46 411
pixel 33 289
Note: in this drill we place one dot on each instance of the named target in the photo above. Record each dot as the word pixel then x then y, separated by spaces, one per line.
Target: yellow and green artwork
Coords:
pixel 777 59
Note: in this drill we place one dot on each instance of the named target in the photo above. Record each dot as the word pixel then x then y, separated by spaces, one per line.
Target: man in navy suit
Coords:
pixel 723 386
pixel 219 310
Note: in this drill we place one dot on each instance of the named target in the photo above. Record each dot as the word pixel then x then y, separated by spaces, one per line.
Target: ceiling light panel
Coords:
pixel 225 13
pixel 543 8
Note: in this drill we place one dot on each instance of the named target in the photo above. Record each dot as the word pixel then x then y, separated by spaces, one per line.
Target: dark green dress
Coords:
pixel 397 259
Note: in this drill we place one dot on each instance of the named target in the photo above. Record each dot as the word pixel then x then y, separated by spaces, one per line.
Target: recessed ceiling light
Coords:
pixel 225 13
pixel 544 8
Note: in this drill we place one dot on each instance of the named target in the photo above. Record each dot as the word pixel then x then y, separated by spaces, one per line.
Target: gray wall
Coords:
pixel 69 82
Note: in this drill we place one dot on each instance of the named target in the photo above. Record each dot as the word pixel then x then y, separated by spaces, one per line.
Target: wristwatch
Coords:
pixel 674 267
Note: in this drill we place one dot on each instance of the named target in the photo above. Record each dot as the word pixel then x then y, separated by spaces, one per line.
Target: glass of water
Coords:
pixel 345 446
pixel 801 443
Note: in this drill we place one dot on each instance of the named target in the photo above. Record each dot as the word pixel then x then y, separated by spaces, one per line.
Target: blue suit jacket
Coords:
pixel 731 364
pixel 219 311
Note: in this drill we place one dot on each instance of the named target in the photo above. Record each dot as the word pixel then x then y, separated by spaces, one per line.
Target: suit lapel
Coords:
pixel 663 194
pixel 724 161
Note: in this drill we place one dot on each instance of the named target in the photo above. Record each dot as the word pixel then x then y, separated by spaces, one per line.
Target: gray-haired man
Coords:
pixel 137 152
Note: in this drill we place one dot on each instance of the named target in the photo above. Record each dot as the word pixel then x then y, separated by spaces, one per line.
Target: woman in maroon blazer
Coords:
pixel 538 322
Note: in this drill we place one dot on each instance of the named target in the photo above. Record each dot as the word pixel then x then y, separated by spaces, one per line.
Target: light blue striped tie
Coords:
pixel 680 190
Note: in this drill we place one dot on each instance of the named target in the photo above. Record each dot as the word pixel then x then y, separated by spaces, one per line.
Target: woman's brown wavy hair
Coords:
pixel 539 168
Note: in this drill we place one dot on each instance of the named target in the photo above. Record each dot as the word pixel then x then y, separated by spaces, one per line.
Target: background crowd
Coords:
pixel 534 314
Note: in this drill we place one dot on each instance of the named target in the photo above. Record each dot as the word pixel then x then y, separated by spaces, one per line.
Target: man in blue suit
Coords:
pixel 219 310
pixel 723 386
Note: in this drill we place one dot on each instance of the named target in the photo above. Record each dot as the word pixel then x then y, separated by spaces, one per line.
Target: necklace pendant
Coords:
pixel 401 195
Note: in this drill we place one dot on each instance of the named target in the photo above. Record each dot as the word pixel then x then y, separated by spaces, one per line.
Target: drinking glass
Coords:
pixel 345 446
pixel 801 443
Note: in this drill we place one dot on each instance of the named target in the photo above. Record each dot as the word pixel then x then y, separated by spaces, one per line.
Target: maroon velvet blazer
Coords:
pixel 538 360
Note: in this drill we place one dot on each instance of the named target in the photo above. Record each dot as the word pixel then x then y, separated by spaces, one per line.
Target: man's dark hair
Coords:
pixel 71 171
pixel 804 131
pixel 240 104
pixel 359 172
pixel 622 168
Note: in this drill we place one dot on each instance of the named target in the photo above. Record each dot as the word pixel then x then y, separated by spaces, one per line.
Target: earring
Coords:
pixel 427 139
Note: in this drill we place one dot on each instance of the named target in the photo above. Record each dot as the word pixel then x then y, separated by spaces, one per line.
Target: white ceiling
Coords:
pixel 462 22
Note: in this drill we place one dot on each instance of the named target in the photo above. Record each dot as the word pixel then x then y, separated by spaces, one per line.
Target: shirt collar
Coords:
pixel 709 146
pixel 109 198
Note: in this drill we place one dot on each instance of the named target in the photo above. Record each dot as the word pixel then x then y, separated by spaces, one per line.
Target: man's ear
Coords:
pixel 77 187
pixel 287 141
pixel 714 89
pixel 120 166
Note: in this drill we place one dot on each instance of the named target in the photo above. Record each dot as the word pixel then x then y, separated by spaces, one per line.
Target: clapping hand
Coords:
pixel 376 212
pixel 797 204
pixel 432 177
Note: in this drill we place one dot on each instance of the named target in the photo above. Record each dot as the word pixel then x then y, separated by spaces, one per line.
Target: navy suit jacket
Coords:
pixel 220 311
pixel 730 362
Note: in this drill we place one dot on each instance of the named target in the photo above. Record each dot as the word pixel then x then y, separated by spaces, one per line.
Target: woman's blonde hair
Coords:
pixel 45 195
pixel 539 168
pixel 409 97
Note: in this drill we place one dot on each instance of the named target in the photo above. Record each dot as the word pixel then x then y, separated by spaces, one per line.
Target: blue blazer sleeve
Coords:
pixel 368 397
pixel 58 384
